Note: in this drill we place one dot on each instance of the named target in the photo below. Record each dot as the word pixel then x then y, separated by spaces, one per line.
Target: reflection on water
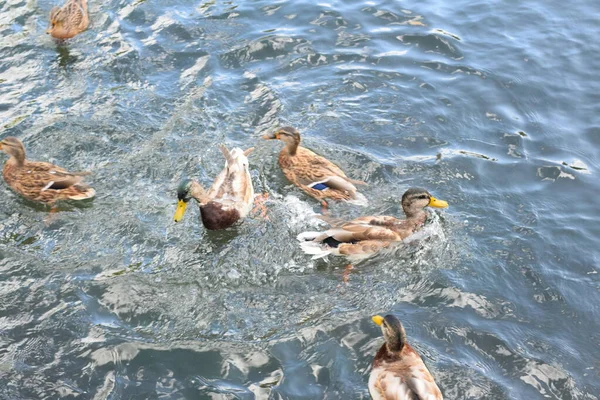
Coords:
pixel 113 300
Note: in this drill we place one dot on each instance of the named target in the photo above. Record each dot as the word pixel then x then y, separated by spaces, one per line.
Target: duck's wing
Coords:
pixel 387 385
pixel 354 232
pixel 48 176
pixel 76 13
pixel 52 169
pixel 412 383
pixel 309 169
pixel 379 220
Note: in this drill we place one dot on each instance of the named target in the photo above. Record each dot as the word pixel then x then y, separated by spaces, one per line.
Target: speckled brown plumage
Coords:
pixel 68 20
pixel 304 168
pixel 41 181
pixel 398 371
pixel 364 236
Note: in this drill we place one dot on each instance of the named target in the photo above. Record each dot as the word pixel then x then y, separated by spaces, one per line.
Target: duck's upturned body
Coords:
pixel 69 20
pixel 41 181
pixel 398 371
pixel 230 197
pixel 314 174
pixel 364 236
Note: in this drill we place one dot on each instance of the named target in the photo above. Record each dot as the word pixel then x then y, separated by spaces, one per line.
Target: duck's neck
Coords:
pixel 396 343
pixel 292 147
pixel 415 213
pixel 17 157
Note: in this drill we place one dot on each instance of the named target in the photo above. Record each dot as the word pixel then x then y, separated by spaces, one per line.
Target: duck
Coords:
pixel 398 371
pixel 364 236
pixel 230 197
pixel 68 20
pixel 41 182
pixel 315 175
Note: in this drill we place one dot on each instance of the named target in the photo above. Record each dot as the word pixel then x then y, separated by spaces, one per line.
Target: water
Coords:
pixel 492 106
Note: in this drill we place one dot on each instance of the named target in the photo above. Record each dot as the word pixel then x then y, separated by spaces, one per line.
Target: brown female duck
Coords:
pixel 41 181
pixel 315 175
pixel 364 236
pixel 68 20
pixel 398 371
pixel 230 197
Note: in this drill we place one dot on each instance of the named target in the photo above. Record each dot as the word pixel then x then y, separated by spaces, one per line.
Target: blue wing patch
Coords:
pixel 319 186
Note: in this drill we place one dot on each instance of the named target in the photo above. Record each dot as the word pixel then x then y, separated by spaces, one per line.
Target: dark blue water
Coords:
pixel 492 106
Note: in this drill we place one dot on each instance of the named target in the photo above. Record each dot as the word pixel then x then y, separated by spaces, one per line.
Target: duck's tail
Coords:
pixel 83 192
pixel 359 200
pixel 311 244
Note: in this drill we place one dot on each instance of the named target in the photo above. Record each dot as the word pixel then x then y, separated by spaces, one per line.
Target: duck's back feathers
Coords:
pixel 233 186
pixel 401 376
pixel 45 182
pixel 319 177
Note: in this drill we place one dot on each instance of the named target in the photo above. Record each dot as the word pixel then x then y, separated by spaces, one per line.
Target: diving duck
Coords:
pixel 315 175
pixel 41 181
pixel 364 236
pixel 230 197
pixel 398 371
pixel 69 20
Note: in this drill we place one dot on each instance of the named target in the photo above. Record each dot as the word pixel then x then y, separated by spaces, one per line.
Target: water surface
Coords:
pixel 492 106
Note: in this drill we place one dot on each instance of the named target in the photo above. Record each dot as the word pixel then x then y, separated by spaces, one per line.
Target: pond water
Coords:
pixel 490 105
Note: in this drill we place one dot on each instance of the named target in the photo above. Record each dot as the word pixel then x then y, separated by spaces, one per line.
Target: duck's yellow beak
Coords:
pixel 378 319
pixel 181 205
pixel 433 202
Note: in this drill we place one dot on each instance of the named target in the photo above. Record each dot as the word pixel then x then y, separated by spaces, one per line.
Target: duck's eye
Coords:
pixel 424 196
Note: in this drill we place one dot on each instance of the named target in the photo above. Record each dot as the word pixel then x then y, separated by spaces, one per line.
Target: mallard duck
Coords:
pixel 398 371
pixel 68 20
pixel 315 175
pixel 230 197
pixel 41 181
pixel 366 235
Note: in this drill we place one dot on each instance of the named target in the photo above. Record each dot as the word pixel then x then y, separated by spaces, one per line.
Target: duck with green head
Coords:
pixel 230 197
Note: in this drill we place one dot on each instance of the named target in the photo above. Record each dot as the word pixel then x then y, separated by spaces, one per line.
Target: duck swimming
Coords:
pixel 364 236
pixel 68 20
pixel 41 181
pixel 398 371
pixel 315 175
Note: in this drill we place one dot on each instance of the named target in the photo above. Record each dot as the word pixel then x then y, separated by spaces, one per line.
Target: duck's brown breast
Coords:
pixel 214 217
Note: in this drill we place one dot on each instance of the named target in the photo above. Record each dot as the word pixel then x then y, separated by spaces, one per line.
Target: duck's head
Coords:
pixel 290 136
pixel 56 20
pixel 392 330
pixel 184 195
pixel 414 200
pixel 13 147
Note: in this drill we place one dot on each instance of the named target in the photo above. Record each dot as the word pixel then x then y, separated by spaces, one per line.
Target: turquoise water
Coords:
pixel 492 106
